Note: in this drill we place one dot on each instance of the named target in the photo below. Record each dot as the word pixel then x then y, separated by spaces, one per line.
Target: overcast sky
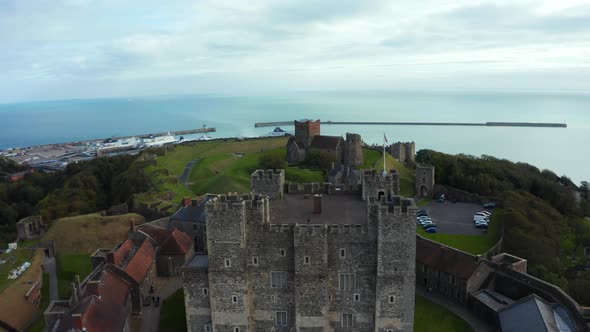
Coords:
pixel 56 49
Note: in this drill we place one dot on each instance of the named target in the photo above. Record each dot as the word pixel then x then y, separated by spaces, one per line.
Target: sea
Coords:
pixel 565 151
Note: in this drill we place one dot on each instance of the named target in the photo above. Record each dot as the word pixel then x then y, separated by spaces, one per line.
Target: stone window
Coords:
pixel 357 297
pixel 208 328
pixel 389 330
pixel 282 252
pixel 346 321
pixel 227 262
pixel 255 261
pixel 391 299
pixel 342 253
pixel 234 299
pixel 306 260
pixel 281 318
pixel 346 281
pixel 205 291
pixel 236 329
pixel 278 280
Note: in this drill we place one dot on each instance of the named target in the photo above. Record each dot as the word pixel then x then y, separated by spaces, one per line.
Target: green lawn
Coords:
pixel 13 260
pixel 424 202
pixel 430 317
pixel 473 244
pixel 68 266
pixel 173 316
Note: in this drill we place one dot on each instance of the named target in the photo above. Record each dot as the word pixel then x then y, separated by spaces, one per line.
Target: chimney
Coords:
pixel 110 257
pixel 317 203
pixel 131 225
pixel 187 201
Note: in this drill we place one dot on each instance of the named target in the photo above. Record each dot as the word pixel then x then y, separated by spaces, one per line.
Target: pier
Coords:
pixel 460 124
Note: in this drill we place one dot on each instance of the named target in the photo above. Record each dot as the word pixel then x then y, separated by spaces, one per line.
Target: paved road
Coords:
pixel 150 315
pixel 454 218
pixel 50 267
pixel 187 171
pixel 458 309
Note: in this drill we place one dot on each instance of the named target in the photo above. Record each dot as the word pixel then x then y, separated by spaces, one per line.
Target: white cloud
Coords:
pixel 135 46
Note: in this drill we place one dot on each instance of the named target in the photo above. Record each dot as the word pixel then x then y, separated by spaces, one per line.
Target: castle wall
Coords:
pixel 268 182
pixel 198 307
pixel 305 131
pixel 403 151
pixel 374 183
pixel 425 180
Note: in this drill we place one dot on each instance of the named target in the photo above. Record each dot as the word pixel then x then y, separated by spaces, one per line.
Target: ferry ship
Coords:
pixel 111 146
pixel 158 140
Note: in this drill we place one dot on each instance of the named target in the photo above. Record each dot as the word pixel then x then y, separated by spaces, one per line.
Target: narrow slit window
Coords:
pixel 234 299
pixel 227 262
pixel 357 297
pixel 342 253
pixel 283 252
pixel 306 260
pixel 205 291
pixel 255 261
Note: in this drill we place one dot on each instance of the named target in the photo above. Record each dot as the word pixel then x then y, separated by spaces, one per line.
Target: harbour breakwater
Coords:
pixel 462 124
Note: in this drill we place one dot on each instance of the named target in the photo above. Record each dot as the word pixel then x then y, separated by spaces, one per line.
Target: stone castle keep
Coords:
pixel 312 260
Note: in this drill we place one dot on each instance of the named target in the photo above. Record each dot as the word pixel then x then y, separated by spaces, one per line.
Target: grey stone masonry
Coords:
pixel 268 182
pixel 425 180
pixel 375 184
pixel 263 276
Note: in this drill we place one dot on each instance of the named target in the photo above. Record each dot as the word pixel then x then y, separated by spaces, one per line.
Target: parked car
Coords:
pixel 432 230
pixel 489 205
pixel 485 213
pixel 477 218
pixel 428 225
pixel 481 225
pixel 423 213
pixel 425 222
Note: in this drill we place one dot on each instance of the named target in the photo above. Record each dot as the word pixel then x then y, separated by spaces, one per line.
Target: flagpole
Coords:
pixel 384 140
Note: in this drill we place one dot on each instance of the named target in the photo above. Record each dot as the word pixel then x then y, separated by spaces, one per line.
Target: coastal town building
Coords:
pixel 310 260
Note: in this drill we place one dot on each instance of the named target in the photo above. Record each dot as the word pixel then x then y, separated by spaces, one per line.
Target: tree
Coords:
pixel 585 190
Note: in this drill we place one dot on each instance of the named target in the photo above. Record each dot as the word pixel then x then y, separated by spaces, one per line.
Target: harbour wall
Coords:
pixel 463 124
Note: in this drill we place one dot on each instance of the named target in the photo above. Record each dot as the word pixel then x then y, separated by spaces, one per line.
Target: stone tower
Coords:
pixel 404 151
pixel 268 182
pixel 376 185
pixel 425 180
pixel 353 153
pixel 396 262
pixel 305 130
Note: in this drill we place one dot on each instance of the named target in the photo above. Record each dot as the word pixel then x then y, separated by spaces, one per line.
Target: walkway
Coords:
pixel 187 171
pixel 150 315
pixel 475 322
pixel 50 267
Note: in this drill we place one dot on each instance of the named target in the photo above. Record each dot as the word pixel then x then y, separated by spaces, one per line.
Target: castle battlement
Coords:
pixel 234 201
pixel 314 229
pixel 268 182
pixel 348 228
pixel 374 175
pixel 377 184
pixel 280 228
pixel 397 206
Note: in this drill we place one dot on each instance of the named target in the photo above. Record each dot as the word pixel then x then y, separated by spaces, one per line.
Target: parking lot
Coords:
pixel 454 218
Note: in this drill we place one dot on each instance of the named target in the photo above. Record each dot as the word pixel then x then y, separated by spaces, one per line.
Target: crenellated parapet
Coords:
pixel 378 184
pixel 268 182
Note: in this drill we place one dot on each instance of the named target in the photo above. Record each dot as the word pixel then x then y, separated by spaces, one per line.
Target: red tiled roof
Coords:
pixel 102 316
pixel 139 265
pixel 113 289
pixel 455 262
pixel 326 142
pixel 123 252
pixel 178 243
pixel 159 234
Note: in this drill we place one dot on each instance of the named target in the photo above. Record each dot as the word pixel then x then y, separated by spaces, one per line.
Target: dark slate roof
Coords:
pixel 158 234
pixel 291 141
pixel 198 261
pixel 449 260
pixel 532 313
pixel 194 212
pixel 337 169
pixel 326 142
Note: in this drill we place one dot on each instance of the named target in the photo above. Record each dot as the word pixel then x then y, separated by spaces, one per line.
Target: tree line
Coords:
pixel 83 187
pixel 543 215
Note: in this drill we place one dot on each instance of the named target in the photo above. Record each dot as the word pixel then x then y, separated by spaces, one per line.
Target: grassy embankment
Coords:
pixel 222 166
pixel 430 317
pixel 173 315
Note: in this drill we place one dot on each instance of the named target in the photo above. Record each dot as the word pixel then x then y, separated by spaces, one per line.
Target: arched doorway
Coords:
pixel 423 191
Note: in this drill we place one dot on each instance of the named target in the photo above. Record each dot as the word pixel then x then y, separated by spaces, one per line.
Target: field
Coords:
pixel 86 233
pixel 14 308
pixel 473 244
pixel 430 317
pixel 173 316
pixel 13 260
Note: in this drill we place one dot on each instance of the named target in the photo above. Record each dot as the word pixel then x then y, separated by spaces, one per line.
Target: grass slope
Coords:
pixel 173 316
pixel 374 159
pixel 68 266
pixel 86 233
pixel 430 317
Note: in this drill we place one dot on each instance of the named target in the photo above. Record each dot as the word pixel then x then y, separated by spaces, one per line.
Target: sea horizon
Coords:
pixel 59 121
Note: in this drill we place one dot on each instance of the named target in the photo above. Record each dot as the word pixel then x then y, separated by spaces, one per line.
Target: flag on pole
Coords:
pixel 385 138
